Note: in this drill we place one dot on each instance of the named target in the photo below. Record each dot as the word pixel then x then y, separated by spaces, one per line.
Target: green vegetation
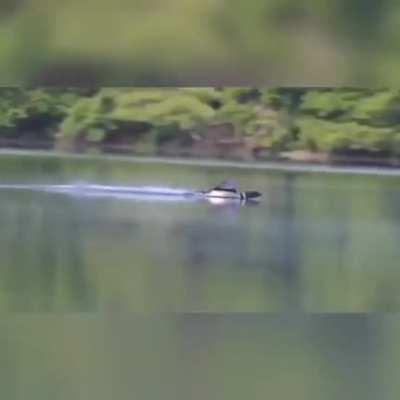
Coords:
pixel 336 121
pixel 170 42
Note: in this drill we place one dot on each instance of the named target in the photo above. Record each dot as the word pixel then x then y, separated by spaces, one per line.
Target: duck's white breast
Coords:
pixel 223 194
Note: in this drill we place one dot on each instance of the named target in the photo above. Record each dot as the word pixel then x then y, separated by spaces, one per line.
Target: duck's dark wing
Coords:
pixel 229 185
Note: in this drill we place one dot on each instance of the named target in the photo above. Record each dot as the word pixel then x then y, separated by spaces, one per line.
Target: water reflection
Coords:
pixel 287 241
pixel 40 255
pixel 199 356
pixel 314 243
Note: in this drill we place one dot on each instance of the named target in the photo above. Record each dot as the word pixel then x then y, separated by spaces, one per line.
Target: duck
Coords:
pixel 228 189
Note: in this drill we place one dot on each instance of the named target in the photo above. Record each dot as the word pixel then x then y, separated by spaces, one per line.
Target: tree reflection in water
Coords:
pixel 45 269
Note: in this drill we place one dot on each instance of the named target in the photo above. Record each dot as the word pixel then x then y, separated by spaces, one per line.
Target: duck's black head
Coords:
pixel 253 195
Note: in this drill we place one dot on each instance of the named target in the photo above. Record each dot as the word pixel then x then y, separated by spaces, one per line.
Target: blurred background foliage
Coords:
pixel 193 42
pixel 197 121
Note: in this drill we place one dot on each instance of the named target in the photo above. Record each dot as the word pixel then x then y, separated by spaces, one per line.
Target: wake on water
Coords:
pixel 132 193
pixel 80 189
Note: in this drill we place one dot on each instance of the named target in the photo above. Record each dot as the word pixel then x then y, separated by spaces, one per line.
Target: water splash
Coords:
pixel 96 190
pixel 132 193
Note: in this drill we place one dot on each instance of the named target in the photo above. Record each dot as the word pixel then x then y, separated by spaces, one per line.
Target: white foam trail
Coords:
pixel 131 193
pixel 145 193
pixel 133 189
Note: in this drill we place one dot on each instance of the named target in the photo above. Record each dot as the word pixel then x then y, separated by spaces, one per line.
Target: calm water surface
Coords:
pixel 99 295
pixel 316 242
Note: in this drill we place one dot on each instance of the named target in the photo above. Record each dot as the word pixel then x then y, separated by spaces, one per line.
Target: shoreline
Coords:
pixel 275 166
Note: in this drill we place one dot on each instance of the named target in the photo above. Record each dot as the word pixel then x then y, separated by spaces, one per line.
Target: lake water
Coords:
pixel 316 242
pixel 126 297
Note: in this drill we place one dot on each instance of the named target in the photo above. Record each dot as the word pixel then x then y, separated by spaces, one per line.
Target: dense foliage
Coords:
pixel 170 42
pixel 281 119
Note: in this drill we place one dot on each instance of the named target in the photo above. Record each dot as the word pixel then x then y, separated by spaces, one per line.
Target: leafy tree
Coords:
pixel 33 111
pixel 330 103
pixel 339 136
pixel 88 118
pixel 380 109
pixel 171 113
pixel 325 119
pixel 283 98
